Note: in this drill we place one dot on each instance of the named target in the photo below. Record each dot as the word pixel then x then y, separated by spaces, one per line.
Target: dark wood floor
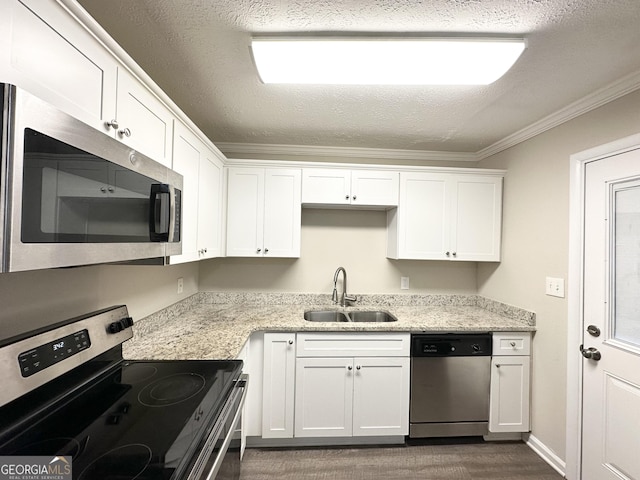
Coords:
pixel 419 461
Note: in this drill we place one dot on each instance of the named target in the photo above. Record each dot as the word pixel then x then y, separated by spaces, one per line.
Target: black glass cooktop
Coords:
pixel 142 420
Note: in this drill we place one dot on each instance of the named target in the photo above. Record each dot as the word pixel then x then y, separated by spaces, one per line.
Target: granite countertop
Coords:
pixel 216 326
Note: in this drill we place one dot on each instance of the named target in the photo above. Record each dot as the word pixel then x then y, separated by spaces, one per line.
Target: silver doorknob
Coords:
pixel 591 353
pixel 125 132
pixel 112 124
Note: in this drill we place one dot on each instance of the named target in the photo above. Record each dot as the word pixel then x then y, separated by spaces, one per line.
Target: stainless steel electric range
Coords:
pixel 67 391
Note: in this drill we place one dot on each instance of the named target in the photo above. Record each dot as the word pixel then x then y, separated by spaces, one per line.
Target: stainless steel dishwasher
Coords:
pixel 450 379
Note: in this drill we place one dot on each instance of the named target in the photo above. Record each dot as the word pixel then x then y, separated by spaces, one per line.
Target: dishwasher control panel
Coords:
pixel 451 345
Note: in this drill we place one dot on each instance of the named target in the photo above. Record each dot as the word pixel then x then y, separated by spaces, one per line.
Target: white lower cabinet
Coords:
pixel 510 383
pixel 278 385
pixel 342 395
pixel 324 397
pixel 362 390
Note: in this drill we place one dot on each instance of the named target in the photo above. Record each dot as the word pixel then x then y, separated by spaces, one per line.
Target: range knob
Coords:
pixel 120 325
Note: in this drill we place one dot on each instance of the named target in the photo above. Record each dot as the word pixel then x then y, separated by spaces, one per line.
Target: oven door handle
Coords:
pixel 240 389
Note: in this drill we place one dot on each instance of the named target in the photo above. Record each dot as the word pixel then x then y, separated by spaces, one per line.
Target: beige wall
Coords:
pixel 32 299
pixel 354 239
pixel 535 245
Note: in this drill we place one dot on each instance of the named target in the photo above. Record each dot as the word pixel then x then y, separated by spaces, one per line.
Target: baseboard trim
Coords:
pixel 547 455
pixel 259 442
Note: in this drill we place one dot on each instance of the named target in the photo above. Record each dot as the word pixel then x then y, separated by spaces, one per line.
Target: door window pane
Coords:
pixel 626 263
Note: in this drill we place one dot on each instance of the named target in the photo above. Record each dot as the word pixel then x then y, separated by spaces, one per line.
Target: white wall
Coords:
pixel 354 239
pixel 32 299
pixel 535 245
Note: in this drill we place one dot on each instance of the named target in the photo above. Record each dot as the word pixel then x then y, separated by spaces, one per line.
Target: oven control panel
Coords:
pixel 50 353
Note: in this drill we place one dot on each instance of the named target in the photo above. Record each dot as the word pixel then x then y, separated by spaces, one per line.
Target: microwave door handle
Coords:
pixel 159 212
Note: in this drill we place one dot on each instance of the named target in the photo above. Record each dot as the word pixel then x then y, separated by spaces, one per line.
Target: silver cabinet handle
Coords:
pixel 103 189
pixel 266 250
pixel 513 344
pixel 497 365
pixel 125 132
pixel 357 367
pixel 454 254
pixel 112 124
pixel 258 250
pixel 448 254
pixel 354 197
pixel 290 342
pixel 350 367
pixel 111 189
pixel 346 197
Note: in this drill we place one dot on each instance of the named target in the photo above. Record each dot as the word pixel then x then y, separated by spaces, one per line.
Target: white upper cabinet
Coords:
pixel 40 52
pixel 374 188
pixel 51 55
pixel 263 212
pixel 444 216
pixel 143 122
pixel 201 196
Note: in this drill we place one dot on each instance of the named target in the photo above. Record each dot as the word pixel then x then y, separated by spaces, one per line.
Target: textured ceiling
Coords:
pixel 198 52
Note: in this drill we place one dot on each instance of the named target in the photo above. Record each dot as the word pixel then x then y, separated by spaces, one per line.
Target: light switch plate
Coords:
pixel 554 287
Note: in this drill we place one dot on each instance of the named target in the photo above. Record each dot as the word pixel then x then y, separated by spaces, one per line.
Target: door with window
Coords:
pixel 611 319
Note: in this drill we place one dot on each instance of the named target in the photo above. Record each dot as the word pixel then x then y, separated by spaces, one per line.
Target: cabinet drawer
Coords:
pixel 353 345
pixel 511 343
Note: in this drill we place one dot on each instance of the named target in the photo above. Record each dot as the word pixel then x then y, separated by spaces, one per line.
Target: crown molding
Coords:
pixel 259 149
pixel 590 102
pixel 613 91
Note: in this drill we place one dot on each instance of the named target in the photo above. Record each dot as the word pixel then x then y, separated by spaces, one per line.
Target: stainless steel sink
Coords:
pixel 372 316
pixel 355 316
pixel 325 316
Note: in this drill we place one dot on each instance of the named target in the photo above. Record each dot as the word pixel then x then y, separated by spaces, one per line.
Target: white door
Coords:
pixel 611 319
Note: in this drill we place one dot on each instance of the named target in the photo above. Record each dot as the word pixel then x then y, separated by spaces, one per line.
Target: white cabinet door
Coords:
pixel 263 212
pixel 324 397
pixel 442 216
pixel 245 212
pixel 419 231
pixel 476 213
pixel 326 186
pixel 282 212
pixel 186 161
pixel 381 396
pixel 209 242
pixel 374 188
pixel 40 52
pixel 144 123
pixel 278 385
pixel 509 402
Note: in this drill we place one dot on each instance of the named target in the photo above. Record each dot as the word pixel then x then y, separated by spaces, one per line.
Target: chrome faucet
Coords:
pixel 345 297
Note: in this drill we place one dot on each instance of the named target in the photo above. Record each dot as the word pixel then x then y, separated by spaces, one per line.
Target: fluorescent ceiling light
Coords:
pixel 385 61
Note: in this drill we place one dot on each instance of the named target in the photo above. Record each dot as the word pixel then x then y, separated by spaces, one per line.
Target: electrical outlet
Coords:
pixel 180 285
pixel 554 287
pixel 404 283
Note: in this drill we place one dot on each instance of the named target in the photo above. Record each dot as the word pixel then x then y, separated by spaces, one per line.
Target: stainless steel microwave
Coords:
pixel 71 195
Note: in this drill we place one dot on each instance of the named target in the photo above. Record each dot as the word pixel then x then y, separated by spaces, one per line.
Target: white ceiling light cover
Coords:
pixel 385 61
